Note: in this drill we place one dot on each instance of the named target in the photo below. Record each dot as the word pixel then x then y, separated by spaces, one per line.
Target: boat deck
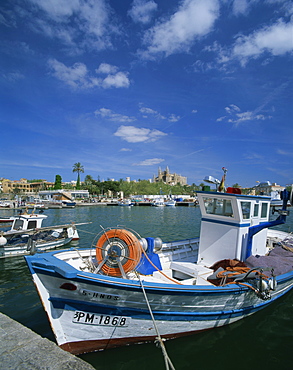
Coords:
pixel 178 260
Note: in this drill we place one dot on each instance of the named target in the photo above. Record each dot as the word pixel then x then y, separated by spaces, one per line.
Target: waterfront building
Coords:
pixel 170 178
pixel 62 194
pixel 24 186
pixel 268 188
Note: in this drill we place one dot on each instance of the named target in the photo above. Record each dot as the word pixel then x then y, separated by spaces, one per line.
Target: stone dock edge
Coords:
pixel 21 348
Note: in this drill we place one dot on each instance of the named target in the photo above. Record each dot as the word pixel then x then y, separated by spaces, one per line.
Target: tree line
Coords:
pixel 140 187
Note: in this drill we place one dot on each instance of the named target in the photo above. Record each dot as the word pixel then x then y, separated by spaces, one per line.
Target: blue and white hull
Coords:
pixel 131 289
pixel 90 312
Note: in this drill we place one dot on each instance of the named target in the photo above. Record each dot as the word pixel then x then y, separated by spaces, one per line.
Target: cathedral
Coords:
pixel 170 178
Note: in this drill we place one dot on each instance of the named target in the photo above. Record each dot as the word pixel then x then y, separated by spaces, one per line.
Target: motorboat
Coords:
pixel 129 288
pixel 27 235
pixel 170 203
pixel 125 203
pixel 158 202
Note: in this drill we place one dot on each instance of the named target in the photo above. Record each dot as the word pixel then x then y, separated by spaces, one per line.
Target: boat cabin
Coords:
pixel 226 223
pixel 27 221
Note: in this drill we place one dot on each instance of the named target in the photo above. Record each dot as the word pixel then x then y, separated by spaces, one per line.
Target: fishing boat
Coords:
pixel 129 289
pixel 67 204
pixel 125 203
pixel 170 203
pixel 8 219
pixel 158 202
pixel 5 204
pixel 27 235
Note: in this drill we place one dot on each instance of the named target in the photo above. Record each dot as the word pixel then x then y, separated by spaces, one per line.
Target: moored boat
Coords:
pixel 158 202
pixel 127 287
pixel 125 203
pixel 6 219
pixel 5 204
pixel 27 235
pixel 170 203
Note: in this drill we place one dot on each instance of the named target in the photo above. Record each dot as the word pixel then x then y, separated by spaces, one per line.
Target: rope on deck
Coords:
pixel 159 340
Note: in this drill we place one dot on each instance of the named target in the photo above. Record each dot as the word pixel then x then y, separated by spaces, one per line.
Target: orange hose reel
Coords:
pixel 118 244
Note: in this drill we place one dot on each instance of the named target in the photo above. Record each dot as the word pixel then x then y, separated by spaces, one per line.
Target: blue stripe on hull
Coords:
pixel 163 316
pixel 151 288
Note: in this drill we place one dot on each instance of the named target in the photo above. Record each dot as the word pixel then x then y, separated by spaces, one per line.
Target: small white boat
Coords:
pixel 67 204
pixel 5 204
pixel 170 203
pixel 159 202
pixel 128 289
pixel 26 235
pixel 125 203
pixel 6 219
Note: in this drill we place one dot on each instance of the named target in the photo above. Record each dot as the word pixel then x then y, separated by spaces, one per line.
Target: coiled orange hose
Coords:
pixel 130 245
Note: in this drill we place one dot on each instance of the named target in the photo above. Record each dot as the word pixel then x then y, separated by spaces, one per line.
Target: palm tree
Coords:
pixel 77 167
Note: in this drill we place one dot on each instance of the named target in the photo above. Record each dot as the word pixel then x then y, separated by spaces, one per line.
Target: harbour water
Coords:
pixel 263 340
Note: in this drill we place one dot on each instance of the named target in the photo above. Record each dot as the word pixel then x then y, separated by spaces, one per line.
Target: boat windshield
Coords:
pixel 264 210
pixel 245 207
pixel 218 206
pixel 18 224
pixel 32 224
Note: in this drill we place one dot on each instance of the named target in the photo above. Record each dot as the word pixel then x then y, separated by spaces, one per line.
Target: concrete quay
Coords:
pixel 21 348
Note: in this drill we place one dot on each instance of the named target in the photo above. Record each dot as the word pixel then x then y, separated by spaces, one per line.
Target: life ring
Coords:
pixel 116 249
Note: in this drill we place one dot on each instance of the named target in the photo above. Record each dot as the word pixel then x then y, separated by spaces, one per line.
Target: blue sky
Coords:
pixel 125 87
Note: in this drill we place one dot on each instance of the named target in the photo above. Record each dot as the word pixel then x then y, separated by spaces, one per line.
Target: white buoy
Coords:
pixel 3 240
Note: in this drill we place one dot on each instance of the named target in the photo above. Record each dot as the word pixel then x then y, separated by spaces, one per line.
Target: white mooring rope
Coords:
pixel 159 339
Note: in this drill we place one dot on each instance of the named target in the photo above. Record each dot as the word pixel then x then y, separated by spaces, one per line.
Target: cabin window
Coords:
pixel 218 206
pixel 256 210
pixel 18 224
pixel 32 224
pixel 245 207
pixel 264 210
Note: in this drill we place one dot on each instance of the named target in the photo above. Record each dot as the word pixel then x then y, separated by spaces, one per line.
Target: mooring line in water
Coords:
pixel 87 232
pixel 159 339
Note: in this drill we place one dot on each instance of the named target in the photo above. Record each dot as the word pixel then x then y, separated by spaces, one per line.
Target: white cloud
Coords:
pixel 236 116
pixel 13 76
pixel 75 76
pixel 78 24
pixel 114 78
pixel 240 7
pixel 149 162
pixel 285 153
pixel 275 39
pixel 142 11
pixel 125 150
pixel 78 76
pixel 247 116
pixel 194 19
pixel 57 9
pixel 173 118
pixel 7 18
pixel 149 111
pixel 232 109
pixel 106 68
pixel 134 134
pixel 111 116
pixel 118 80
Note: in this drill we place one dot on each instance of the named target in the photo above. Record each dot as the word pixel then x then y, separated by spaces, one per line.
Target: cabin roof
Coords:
pixel 218 194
